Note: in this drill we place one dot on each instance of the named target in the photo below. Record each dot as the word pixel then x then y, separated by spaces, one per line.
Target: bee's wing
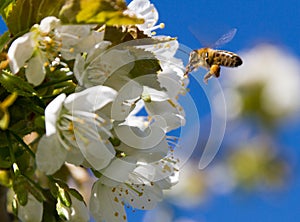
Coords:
pixel 227 37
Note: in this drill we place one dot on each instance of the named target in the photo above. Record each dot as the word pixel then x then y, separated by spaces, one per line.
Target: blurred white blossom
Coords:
pixel 271 70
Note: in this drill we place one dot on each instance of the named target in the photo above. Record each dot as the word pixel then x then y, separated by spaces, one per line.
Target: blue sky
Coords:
pixel 257 21
pixel 262 21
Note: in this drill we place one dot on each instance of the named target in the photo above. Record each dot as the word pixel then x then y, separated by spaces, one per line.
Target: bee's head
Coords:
pixel 195 60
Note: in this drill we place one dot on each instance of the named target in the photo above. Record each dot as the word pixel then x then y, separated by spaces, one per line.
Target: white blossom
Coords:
pixel 75 133
pixel 147 11
pixel 140 186
pixel 37 49
pixel 101 63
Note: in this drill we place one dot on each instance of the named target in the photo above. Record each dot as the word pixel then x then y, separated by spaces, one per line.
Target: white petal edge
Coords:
pixel 20 51
pixel 52 112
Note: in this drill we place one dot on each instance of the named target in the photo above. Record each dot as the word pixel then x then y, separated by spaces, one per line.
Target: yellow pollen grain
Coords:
pixel 71 127
pixel 162 25
pixel 116 214
pixel 124 217
pixel 116 200
pixel 113 189
pixel 71 50
pixel 167 168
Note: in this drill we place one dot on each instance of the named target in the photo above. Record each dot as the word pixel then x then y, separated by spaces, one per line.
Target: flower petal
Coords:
pixel 143 9
pixel 97 153
pixel 50 154
pixel 90 99
pixel 32 211
pixel 20 51
pixel 105 205
pixel 49 23
pixel 52 112
pixel 136 138
pixel 118 171
pixel 35 71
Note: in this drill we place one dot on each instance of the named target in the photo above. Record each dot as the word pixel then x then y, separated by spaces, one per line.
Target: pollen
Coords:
pixel 116 214
pixel 46 64
pixel 71 127
pixel 162 25
pixel 116 199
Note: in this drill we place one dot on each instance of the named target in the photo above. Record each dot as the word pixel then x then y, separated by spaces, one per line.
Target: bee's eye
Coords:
pixel 205 54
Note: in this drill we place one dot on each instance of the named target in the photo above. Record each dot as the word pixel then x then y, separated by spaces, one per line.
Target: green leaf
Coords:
pixel 37 193
pixel 13 83
pixel 26 13
pixel 4 39
pixel 4 4
pixel 109 12
pixel 76 194
pixel 5 158
pixel 4 7
pixel 20 184
pixel 61 211
pixel 145 63
pixel 117 35
pixel 64 197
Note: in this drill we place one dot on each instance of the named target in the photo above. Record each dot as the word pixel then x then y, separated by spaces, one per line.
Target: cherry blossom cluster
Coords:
pixel 118 120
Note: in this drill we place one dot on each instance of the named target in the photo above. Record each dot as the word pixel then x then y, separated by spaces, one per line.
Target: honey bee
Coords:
pixel 213 59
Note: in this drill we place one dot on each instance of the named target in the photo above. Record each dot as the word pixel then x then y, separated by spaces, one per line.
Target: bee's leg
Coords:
pixel 207 76
pixel 213 71
pixel 187 70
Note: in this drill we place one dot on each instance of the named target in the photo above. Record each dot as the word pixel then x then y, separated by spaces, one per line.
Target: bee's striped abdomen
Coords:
pixel 226 58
